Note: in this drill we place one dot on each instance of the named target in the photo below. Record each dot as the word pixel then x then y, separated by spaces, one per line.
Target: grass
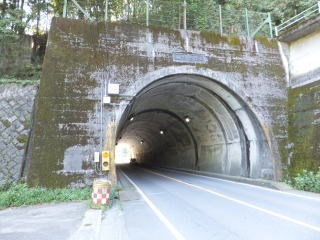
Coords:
pixel 21 195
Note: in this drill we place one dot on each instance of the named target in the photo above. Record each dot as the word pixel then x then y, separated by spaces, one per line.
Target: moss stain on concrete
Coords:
pixel 304 128
pixel 67 96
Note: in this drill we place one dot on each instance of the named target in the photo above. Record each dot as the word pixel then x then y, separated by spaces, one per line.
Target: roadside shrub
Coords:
pixel 307 181
pixel 21 195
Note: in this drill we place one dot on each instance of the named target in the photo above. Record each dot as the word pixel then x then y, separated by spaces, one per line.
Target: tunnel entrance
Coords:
pixel 188 121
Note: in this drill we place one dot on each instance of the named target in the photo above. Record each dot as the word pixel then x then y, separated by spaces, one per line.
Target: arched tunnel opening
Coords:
pixel 191 122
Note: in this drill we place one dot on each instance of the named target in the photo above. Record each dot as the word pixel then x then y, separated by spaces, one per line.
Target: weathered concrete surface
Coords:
pixel 301 51
pixel 41 222
pixel 16 105
pixel 304 128
pixel 15 54
pixel 242 80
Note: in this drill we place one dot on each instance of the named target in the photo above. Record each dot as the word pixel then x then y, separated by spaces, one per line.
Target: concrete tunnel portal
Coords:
pixel 188 121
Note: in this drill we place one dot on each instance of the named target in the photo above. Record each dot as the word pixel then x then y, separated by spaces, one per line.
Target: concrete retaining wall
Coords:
pixel 15 54
pixel 81 56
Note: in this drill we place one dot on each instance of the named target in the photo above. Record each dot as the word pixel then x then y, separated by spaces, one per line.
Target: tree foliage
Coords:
pixel 201 14
pixel 11 19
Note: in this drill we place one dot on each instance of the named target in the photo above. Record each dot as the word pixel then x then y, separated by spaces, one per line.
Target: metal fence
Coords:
pixel 207 16
pixel 303 16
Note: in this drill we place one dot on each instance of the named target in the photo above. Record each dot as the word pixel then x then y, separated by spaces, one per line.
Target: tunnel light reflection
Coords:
pixel 124 153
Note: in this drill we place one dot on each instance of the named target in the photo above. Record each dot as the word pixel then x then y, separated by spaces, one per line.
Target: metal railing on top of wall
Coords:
pixel 208 17
pixel 306 14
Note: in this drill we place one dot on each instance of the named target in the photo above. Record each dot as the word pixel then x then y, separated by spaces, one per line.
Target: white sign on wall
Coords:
pixel 96 157
pixel 106 99
pixel 113 89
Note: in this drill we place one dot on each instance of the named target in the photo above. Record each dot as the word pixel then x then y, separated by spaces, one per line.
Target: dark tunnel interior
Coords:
pixel 192 122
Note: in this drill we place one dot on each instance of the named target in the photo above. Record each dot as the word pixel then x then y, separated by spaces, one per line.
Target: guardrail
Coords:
pixel 306 14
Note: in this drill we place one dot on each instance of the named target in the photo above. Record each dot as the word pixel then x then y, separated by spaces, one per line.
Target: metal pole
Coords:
pixel 86 14
pixel 247 23
pixel 184 15
pixel 101 113
pixel 64 14
pixel 147 14
pixel 220 20
pixel 106 11
pixel 270 25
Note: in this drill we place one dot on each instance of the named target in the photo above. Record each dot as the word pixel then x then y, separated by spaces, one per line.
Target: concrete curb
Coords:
pixel 257 182
pixel 90 226
pixel 281 186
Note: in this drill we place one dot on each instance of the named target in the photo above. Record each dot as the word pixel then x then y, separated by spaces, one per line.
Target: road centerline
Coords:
pixel 272 213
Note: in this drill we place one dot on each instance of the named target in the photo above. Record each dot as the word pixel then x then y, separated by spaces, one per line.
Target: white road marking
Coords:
pixel 247 184
pixel 275 214
pixel 159 214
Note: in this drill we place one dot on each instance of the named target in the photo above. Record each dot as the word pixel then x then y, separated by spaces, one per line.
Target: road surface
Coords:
pixel 198 207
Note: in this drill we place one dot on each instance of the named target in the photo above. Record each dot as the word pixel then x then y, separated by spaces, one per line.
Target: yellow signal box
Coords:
pixel 105 163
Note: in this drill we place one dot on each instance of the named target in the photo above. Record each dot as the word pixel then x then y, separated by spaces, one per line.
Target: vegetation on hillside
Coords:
pixel 17 16
pixel 20 17
pixel 307 181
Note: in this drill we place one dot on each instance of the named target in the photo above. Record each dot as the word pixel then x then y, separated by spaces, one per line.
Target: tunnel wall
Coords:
pixel 81 55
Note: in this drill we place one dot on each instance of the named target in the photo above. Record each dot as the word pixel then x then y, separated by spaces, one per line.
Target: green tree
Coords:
pixel 12 22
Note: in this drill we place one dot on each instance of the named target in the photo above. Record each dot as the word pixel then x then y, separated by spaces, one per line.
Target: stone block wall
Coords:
pixel 16 105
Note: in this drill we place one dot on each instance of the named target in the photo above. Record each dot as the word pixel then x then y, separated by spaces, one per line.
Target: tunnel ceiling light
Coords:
pixel 141 142
pixel 131 118
pixel 187 119
pixel 161 131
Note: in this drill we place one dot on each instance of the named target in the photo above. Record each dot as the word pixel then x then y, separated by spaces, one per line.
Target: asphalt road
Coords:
pixel 198 207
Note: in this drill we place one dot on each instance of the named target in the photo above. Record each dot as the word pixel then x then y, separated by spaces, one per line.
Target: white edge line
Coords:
pixel 159 214
pixel 275 214
pixel 246 184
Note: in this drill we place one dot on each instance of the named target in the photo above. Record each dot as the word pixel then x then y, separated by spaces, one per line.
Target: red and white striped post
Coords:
pixel 101 191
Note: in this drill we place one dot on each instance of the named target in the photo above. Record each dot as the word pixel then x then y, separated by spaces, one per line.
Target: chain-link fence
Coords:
pixel 202 15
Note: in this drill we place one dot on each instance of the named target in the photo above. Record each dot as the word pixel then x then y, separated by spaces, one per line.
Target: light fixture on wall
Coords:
pixel 187 119
pixel 142 141
pixel 161 131
pixel 131 118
